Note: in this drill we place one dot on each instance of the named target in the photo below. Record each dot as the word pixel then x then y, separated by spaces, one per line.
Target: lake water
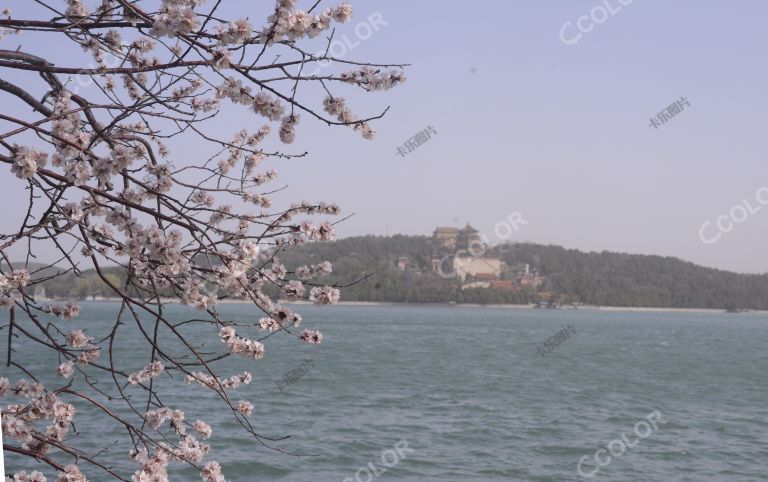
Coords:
pixel 455 393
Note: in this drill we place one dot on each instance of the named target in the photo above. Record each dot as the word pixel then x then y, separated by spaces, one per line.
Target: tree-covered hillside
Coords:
pixel 605 278
pixel 618 279
pixel 367 266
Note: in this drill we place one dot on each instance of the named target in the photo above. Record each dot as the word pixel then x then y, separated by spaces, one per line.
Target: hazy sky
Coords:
pixel 560 133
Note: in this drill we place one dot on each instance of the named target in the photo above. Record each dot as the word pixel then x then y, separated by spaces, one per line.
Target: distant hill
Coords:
pixel 605 278
pixel 35 269
pixel 368 264
pixel 618 279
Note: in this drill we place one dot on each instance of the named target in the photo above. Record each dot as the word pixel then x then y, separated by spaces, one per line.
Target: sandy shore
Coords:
pixel 470 305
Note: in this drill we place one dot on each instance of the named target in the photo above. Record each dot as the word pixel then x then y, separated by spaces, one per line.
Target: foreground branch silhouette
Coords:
pixel 92 136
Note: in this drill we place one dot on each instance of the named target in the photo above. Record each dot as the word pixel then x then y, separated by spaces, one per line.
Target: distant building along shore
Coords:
pixel 461 254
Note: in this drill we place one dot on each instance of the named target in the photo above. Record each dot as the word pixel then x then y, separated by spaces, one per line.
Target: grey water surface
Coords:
pixel 466 395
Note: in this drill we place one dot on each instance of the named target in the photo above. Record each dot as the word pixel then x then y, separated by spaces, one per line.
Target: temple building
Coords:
pixel 455 238
pixel 481 268
pixel 445 237
pixel 468 236
pixel 461 253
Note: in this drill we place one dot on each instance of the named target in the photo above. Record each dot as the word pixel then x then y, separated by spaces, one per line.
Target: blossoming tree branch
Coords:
pixel 104 189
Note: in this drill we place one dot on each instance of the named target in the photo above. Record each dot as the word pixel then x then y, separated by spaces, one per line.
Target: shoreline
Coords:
pixel 648 309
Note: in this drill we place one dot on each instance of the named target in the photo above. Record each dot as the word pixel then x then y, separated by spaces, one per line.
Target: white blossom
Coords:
pixel 66 369
pixel 212 472
pixel 342 13
pixel 147 373
pixel 71 474
pixel 288 128
pixel 325 295
pixel 66 312
pixel 206 380
pixel 75 8
pixel 265 105
pixel 89 355
pixel 23 476
pixel 245 407
pixel 241 346
pixel 202 428
pixel 312 337
pixel 78 339
pixel 27 161
pixel 236 32
pixel 175 18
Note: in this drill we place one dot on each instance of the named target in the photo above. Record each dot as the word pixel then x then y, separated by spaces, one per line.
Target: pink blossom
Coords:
pixel 312 337
pixel 71 474
pixel 245 407
pixel 212 472
pixel 202 428
pixel 27 161
pixel 66 369
pixel 147 373
pixel 325 295
pixel 77 339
